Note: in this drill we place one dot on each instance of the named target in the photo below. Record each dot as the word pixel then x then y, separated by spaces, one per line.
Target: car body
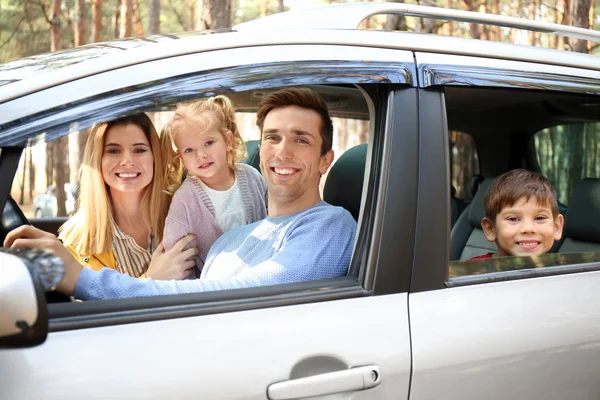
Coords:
pixel 405 323
pixel 44 204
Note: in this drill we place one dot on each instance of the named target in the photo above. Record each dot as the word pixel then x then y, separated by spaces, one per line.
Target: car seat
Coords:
pixel 345 180
pixel 582 220
pixel 253 150
pixel 466 238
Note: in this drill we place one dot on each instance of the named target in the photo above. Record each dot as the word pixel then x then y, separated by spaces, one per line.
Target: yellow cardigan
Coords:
pixel 96 261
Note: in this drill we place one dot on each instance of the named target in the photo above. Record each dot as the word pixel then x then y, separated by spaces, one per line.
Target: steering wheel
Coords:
pixel 12 217
pixel 49 266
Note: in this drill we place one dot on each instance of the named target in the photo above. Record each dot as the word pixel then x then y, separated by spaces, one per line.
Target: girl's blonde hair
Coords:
pixel 223 115
pixel 90 230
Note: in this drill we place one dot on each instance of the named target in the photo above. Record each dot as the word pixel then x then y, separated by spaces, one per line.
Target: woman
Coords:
pixel 122 201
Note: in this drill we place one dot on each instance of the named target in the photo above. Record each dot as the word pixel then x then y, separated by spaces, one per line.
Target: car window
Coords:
pixel 550 133
pixel 353 129
pixel 567 153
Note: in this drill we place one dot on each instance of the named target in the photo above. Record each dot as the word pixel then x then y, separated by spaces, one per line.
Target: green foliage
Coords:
pixel 568 153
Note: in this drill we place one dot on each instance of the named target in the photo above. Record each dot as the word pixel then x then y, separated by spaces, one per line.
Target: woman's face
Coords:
pixel 127 160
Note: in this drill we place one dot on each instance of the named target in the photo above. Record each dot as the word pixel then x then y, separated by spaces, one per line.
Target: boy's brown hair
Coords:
pixel 301 97
pixel 513 185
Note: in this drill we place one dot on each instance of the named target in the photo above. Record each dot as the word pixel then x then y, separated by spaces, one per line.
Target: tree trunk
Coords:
pixel 533 16
pixel 60 171
pixel 474 28
pixel 97 21
pixel 49 164
pixel 22 183
pixel 137 18
pixel 395 22
pixel 579 15
pixel 153 16
pixel 31 174
pixel 495 30
pixel 116 18
pixel 426 25
pixel 55 25
pixel 126 18
pixel 79 31
pixel 213 14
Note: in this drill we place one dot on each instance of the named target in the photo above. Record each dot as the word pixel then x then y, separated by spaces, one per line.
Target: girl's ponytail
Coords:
pixel 238 146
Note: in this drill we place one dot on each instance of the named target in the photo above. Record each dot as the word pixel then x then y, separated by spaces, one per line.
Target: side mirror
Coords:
pixel 23 311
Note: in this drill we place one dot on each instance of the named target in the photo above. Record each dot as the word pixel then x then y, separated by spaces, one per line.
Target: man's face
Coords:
pixel 290 154
pixel 526 228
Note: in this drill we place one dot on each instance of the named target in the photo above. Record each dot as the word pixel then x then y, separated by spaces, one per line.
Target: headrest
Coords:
pixel 583 215
pixel 253 150
pixel 452 191
pixel 345 180
pixel 476 210
pixel 476 183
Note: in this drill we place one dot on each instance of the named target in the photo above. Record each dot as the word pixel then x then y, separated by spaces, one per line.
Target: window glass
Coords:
pixel 567 153
pixel 550 133
pixel 44 164
pixel 464 163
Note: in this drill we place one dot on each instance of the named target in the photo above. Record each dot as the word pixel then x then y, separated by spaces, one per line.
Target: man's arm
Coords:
pixel 317 246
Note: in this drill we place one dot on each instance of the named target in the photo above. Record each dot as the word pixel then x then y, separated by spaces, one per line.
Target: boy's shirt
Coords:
pixel 488 255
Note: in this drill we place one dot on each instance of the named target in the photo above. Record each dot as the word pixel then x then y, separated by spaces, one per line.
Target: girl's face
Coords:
pixel 203 149
pixel 127 159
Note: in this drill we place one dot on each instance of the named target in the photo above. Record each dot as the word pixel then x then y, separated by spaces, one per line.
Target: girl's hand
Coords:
pixel 177 263
pixel 27 236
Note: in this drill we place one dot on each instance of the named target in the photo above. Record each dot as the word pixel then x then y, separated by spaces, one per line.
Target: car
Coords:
pixel 44 204
pixel 413 318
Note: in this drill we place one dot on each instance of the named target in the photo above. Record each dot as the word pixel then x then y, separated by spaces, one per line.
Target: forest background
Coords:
pixel 30 27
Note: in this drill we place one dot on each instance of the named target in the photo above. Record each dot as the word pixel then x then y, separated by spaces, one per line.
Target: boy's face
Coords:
pixel 524 229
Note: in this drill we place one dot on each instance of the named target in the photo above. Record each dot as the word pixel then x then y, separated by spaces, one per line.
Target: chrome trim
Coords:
pixel 497 269
pixel 521 274
pixel 68 118
pixel 449 75
pixel 77 90
pixel 453 70
pixel 349 16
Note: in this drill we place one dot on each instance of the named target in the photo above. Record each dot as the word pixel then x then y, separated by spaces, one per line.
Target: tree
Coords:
pixel 79 30
pixel 55 25
pixel 153 16
pixel 213 14
pixel 126 18
pixel 96 20
pixel 580 14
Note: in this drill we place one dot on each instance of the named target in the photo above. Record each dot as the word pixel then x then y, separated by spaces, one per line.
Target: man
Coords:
pixel 303 238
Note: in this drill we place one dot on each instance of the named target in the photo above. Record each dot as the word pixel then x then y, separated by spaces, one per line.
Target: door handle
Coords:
pixel 353 379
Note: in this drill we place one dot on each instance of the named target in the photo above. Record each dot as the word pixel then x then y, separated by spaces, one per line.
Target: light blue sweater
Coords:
pixel 312 244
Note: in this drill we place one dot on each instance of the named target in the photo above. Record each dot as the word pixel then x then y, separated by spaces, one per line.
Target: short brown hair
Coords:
pixel 508 188
pixel 301 97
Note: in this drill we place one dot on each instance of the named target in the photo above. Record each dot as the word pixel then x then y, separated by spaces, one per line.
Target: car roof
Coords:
pixel 28 75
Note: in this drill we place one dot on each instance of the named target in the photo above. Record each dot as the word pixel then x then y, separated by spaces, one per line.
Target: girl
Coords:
pixel 219 193
pixel 122 203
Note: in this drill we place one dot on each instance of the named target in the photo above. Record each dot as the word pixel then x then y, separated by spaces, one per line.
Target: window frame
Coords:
pixel 431 265
pixel 377 86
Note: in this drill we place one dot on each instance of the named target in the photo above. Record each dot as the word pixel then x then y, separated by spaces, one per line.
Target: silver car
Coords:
pixel 44 204
pixel 413 318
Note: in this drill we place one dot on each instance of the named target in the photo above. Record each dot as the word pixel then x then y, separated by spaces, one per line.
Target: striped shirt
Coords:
pixel 130 258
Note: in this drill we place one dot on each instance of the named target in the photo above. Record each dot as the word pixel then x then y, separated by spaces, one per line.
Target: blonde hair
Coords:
pixel 223 114
pixel 90 230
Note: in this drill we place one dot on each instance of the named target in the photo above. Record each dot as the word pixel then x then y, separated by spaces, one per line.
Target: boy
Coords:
pixel 521 215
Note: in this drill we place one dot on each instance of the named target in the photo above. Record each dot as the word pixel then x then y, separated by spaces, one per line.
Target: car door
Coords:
pixel 341 338
pixel 515 327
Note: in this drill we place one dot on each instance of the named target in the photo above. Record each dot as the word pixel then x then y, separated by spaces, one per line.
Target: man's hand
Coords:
pixel 177 263
pixel 27 236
